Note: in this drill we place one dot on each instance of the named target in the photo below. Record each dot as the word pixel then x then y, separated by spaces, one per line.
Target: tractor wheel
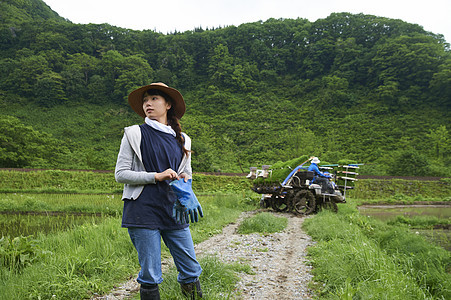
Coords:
pixel 304 202
pixel 331 205
pixel 289 197
pixel 278 203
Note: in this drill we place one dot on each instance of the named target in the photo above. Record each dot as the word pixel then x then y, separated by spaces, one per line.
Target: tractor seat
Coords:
pixel 304 176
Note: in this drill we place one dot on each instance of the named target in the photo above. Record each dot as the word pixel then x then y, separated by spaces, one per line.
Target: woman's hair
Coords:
pixel 172 119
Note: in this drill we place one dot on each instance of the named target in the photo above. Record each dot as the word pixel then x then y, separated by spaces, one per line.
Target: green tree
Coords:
pixel 409 61
pixel 47 40
pixel 221 66
pixel 349 85
pixel 334 93
pixel 349 61
pixel 319 59
pixel 110 64
pixel 441 84
pixel 24 77
pixel 124 73
pixel 98 90
pixel 85 63
pixel 440 140
pixel 134 71
pixel 49 89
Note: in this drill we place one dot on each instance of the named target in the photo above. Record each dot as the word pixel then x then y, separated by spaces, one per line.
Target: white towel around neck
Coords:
pixel 159 126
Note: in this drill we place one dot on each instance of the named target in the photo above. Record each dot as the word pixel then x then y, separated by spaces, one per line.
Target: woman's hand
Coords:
pixel 184 176
pixel 167 174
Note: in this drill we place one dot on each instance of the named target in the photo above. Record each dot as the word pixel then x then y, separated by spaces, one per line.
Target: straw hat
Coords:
pixel 135 99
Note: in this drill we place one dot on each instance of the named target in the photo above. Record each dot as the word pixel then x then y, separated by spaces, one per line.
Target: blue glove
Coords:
pixel 186 206
pixel 180 213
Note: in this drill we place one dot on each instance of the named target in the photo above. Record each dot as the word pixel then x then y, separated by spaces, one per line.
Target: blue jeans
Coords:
pixel 148 244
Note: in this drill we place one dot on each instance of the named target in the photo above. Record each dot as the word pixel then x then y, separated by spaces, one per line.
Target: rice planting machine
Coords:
pixel 297 194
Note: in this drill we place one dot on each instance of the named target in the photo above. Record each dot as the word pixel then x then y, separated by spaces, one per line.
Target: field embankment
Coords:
pixel 93 182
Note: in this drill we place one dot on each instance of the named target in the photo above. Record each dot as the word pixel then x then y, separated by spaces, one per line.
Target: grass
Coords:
pixel 14 225
pixel 263 223
pixel 400 190
pixel 362 258
pixel 420 222
pixel 79 182
pixel 401 199
pixel 57 181
pixel 109 204
pixel 75 263
pixel 218 280
pixel 92 258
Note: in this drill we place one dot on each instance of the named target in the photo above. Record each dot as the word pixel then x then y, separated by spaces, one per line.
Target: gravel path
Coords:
pixel 278 261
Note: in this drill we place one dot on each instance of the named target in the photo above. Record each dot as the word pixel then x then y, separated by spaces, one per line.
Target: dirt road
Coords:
pixel 278 260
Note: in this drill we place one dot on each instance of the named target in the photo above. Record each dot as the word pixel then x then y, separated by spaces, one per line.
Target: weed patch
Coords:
pixel 218 280
pixel 357 256
pixel 263 223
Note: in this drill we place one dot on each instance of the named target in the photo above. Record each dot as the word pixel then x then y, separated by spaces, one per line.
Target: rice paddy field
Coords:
pixel 61 238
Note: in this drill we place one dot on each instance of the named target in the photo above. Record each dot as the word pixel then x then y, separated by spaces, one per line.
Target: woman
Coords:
pixel 150 156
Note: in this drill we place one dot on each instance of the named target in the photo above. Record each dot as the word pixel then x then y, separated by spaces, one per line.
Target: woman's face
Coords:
pixel 156 108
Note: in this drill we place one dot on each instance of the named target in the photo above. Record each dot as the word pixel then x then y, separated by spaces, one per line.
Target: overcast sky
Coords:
pixel 181 15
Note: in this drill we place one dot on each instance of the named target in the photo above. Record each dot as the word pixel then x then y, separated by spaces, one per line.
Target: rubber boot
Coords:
pixel 192 290
pixel 149 292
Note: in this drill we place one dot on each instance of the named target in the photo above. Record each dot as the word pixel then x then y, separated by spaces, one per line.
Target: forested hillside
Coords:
pixel 350 86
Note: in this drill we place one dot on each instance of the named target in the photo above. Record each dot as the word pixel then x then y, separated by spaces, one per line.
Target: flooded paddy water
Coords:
pixel 389 212
pixel 14 224
pixel 386 213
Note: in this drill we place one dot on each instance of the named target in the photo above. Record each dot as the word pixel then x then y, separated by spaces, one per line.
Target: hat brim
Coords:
pixel 135 99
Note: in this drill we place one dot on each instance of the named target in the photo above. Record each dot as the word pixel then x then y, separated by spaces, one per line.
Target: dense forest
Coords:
pixel 351 86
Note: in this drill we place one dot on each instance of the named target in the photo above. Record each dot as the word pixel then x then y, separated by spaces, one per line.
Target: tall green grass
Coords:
pixel 92 258
pixel 423 222
pixel 109 204
pixel 355 257
pixel 76 263
pixel 57 181
pixel 263 223
pixel 218 280
pixel 14 225
pixel 79 182
pixel 360 258
pixel 400 190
